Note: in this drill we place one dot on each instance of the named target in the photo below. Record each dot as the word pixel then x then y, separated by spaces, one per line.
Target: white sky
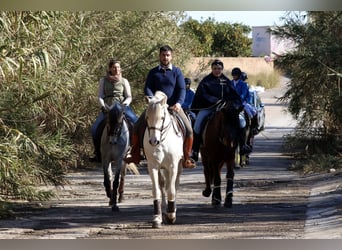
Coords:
pixel 250 18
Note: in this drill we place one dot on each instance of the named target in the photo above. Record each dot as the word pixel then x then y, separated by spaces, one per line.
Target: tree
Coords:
pixel 50 64
pixel 231 40
pixel 213 38
pixel 315 66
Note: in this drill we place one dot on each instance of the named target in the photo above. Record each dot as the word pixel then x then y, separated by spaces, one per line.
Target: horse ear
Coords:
pixel 163 101
pixel 161 96
pixel 148 99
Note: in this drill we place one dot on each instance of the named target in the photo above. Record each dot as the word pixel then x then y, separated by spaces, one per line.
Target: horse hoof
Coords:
pixel 228 203
pixel 215 202
pixel 156 224
pixel 206 192
pixel 121 198
pixel 170 218
pixel 115 208
pixel 110 203
pixel 170 221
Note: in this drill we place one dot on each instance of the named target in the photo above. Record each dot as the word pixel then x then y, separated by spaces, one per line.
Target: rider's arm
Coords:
pixel 127 93
pixel 101 93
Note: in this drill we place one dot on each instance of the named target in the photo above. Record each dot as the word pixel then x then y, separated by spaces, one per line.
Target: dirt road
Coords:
pixel 270 202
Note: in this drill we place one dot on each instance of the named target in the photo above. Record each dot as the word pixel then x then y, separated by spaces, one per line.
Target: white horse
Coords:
pixel 115 144
pixel 163 147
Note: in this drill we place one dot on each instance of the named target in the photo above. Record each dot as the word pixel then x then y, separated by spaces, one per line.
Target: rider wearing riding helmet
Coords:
pixel 242 88
pixel 189 97
pixel 244 76
pixel 250 108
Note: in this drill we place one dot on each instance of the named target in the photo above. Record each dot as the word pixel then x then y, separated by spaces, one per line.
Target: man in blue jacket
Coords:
pixel 169 79
pixel 213 88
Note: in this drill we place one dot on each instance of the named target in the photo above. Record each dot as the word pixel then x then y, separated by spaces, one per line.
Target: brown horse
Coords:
pixel 220 139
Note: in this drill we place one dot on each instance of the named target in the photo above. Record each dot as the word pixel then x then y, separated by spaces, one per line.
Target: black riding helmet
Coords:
pixel 236 72
pixel 243 76
pixel 187 81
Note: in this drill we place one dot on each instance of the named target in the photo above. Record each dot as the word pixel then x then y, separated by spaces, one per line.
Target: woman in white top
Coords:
pixel 113 89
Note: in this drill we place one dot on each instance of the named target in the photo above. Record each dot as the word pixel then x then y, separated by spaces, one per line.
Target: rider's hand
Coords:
pixel 177 107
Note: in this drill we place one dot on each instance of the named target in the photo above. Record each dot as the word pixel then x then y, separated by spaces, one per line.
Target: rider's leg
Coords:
pixel 200 118
pixel 96 132
pixel 244 149
pixel 188 141
pixel 130 115
pixel 137 134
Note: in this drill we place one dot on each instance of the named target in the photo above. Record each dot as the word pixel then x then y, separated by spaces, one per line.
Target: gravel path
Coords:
pixel 270 202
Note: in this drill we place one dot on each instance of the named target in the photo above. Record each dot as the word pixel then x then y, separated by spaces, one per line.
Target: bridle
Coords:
pixel 164 127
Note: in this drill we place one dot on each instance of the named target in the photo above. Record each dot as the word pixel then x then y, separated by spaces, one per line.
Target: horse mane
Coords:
pixel 115 117
pixel 231 115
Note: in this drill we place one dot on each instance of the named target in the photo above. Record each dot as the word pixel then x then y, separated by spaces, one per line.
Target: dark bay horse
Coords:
pixel 220 139
pixel 115 144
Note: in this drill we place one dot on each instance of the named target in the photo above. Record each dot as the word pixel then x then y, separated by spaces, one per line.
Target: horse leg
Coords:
pixel 216 196
pixel 122 184
pixel 171 212
pixel 229 188
pixel 107 179
pixel 157 218
pixel 242 160
pixel 171 180
pixel 208 179
pixel 156 193
pixel 115 208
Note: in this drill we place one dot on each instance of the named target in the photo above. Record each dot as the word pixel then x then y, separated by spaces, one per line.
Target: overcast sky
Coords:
pixel 250 18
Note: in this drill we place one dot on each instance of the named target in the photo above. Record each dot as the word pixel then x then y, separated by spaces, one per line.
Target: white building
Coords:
pixel 267 45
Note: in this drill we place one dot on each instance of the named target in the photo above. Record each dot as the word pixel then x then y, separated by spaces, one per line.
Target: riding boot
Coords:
pixel 195 147
pixel 135 150
pixel 187 161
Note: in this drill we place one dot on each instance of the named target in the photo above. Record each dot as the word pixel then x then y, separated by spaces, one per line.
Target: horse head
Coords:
pixel 230 124
pixel 157 117
pixel 115 118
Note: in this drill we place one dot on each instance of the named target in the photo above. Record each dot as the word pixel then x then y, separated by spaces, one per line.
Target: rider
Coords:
pixel 169 79
pixel 251 110
pixel 242 89
pixel 213 88
pixel 113 89
pixel 189 97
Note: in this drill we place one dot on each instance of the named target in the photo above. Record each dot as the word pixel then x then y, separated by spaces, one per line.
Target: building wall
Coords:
pixel 261 45
pixel 264 44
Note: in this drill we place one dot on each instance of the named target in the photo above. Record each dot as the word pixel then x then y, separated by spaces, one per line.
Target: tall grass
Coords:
pixel 266 80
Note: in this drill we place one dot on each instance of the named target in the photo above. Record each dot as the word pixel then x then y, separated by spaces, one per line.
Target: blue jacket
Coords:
pixel 171 82
pixel 189 96
pixel 242 89
pixel 213 89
